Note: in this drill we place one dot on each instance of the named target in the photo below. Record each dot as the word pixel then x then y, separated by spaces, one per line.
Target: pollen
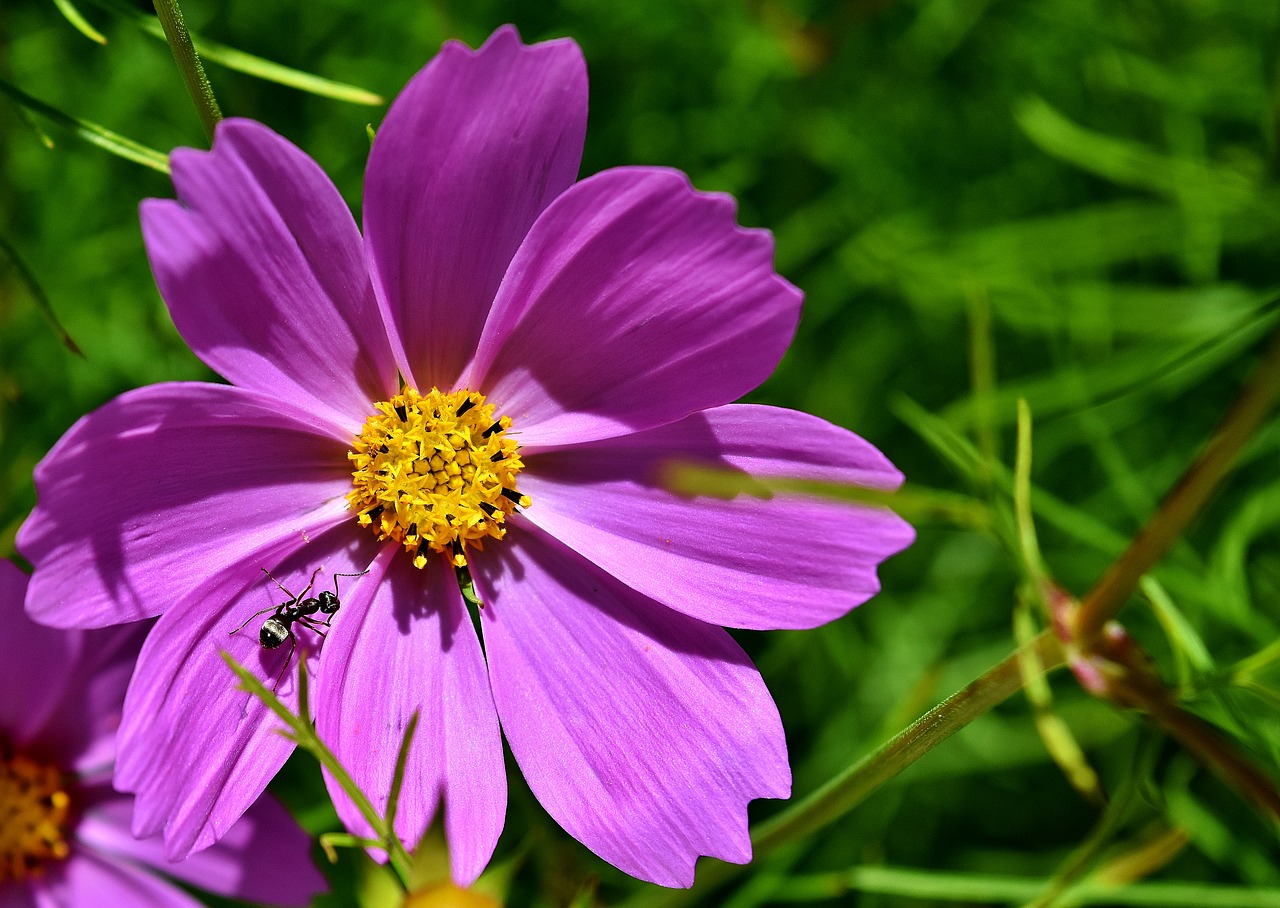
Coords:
pixel 34 815
pixel 436 472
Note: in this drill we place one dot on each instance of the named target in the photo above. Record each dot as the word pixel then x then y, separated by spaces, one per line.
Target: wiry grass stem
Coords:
pixel 184 52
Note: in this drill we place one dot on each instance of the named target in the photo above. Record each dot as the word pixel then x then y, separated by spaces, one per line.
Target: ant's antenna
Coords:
pixel 336 576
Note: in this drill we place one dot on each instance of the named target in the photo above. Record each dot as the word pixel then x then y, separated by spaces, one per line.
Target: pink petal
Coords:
pixel 643 732
pixel 783 561
pixel 34 662
pixel 264 857
pixel 412 647
pixel 263 269
pixel 23 895
pixel 61 691
pixel 477 144
pixel 81 730
pixel 195 750
pixel 87 878
pixel 147 497
pixel 633 302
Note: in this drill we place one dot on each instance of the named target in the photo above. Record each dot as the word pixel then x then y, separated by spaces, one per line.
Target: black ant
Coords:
pixel 279 627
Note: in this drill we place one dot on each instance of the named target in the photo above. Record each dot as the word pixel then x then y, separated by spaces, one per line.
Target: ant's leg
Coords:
pixel 313 625
pixel 283 588
pixel 270 608
pixel 293 645
pixel 311 582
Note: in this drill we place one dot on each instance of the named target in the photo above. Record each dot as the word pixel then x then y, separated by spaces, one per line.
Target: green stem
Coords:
pixel 301 732
pixel 907 883
pixel 175 32
pixel 1186 500
pixel 849 789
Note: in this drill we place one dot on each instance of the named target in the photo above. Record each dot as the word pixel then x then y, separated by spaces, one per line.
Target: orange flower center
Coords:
pixel 435 472
pixel 34 809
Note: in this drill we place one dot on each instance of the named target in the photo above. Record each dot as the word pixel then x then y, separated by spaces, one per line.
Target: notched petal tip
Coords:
pixel 477 144
pixel 644 733
pixel 634 301
pixel 506 39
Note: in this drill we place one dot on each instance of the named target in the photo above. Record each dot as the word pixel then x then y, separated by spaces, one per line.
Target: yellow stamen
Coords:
pixel 34 815
pixel 435 472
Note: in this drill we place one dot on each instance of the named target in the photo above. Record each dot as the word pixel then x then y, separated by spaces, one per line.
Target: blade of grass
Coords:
pixel 91 132
pixel 397 777
pixel 957 450
pixel 1054 732
pixel 330 842
pixel 299 729
pixel 79 22
pixel 991 889
pixel 1185 501
pixel 914 503
pixel 38 294
pixel 249 64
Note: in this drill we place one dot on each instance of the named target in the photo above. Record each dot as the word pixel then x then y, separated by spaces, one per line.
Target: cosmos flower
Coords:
pixel 485 387
pixel 64 833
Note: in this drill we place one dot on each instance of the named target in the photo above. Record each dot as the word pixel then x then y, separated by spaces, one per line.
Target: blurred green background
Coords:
pixel 1070 201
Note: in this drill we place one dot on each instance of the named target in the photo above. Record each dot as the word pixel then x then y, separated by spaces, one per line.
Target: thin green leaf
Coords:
pixel 1251 665
pixel 984 888
pixel 248 63
pixel 857 781
pixel 914 503
pixel 1190 654
pixel 45 139
pixel 307 739
pixel 1075 868
pixel 1266 693
pixel 468 586
pixel 79 22
pixel 91 132
pixel 1127 162
pixel 935 431
pixel 397 778
pixel 304 698
pixel 330 842
pixel 1054 732
pixel 38 294
pixel 1139 860
pixel 1139 371
pixel 958 451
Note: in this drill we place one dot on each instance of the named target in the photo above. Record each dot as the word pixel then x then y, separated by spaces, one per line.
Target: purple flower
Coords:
pixel 64 833
pixel 487 385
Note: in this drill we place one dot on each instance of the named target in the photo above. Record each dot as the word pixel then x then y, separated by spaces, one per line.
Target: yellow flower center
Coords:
pixel 34 808
pixel 435 472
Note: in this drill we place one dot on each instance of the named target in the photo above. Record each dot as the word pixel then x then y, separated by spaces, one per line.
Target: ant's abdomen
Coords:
pixel 273 633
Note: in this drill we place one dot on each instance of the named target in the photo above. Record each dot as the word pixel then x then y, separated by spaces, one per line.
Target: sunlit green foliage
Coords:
pixel 1073 202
